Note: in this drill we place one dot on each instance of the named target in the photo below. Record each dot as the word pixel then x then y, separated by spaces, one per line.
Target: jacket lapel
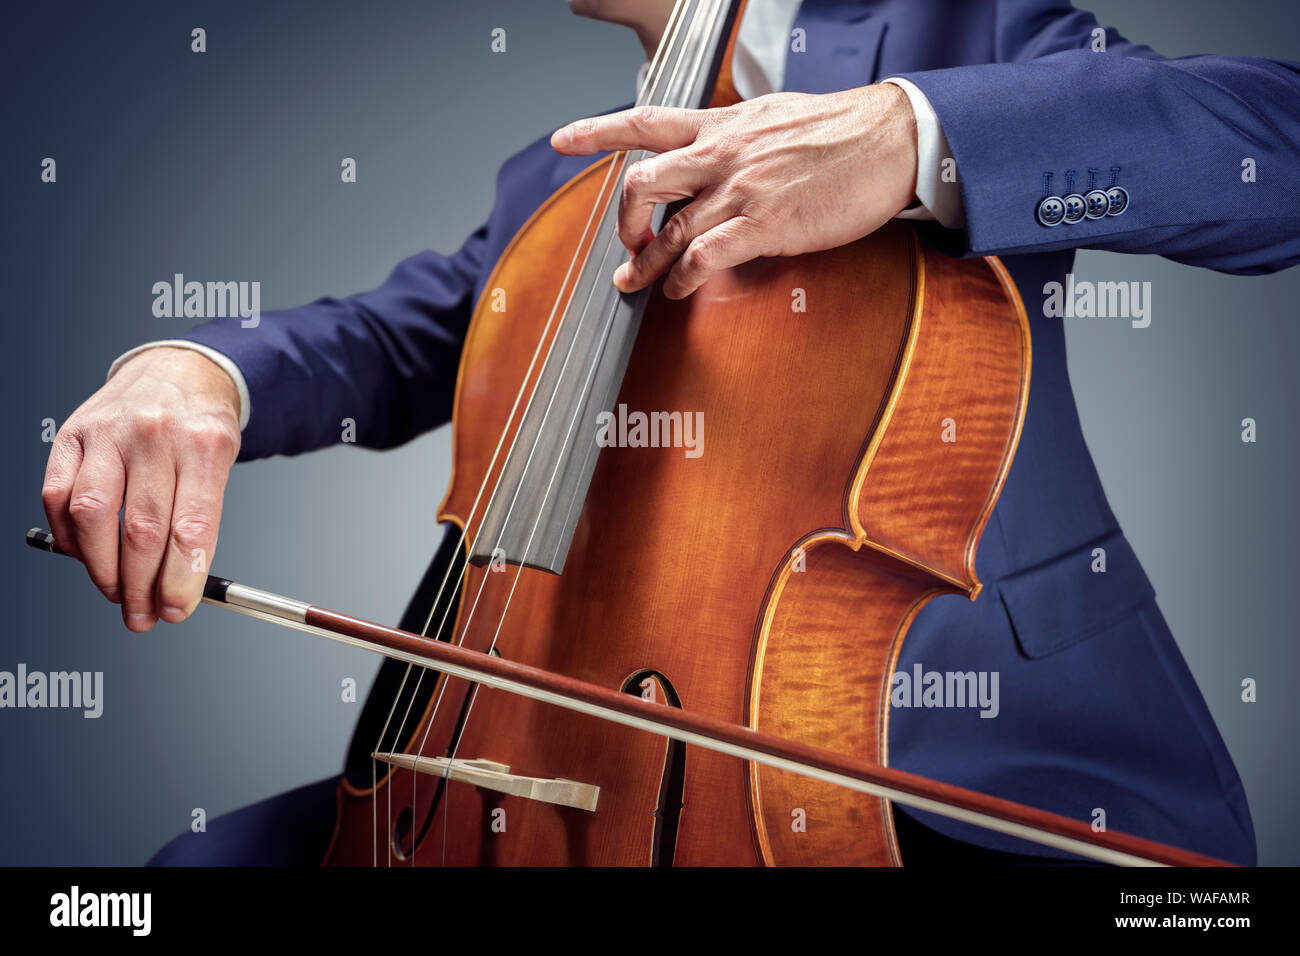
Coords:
pixel 838 49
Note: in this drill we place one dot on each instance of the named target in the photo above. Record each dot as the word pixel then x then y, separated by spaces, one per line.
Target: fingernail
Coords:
pixel 113 594
pixel 173 615
pixel 621 275
pixel 140 622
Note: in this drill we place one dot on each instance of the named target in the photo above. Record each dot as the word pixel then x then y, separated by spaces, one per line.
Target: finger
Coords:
pixel 96 499
pixel 146 521
pixel 195 518
pixel 56 491
pixel 650 183
pixel 707 211
pixel 724 246
pixel 656 128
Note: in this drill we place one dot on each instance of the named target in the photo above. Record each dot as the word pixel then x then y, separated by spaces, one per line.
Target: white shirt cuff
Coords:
pixel 230 368
pixel 939 200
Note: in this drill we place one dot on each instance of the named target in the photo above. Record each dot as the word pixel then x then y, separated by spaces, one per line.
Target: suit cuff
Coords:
pixel 229 367
pixel 940 199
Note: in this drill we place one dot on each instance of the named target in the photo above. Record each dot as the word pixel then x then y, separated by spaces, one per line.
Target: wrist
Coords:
pixel 899 129
pixel 200 374
pixel 183 346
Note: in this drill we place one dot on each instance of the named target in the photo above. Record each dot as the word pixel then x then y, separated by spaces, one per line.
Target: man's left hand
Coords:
pixel 779 175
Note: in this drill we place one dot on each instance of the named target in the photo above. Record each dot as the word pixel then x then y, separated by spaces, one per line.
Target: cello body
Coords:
pixel 860 408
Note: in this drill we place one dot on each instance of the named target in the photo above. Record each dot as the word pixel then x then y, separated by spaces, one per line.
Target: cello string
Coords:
pixel 464 531
pixel 582 316
pixel 609 243
pixel 587 309
pixel 550 485
pixel 442 587
pixel 650 82
pixel 591 372
pixel 374 780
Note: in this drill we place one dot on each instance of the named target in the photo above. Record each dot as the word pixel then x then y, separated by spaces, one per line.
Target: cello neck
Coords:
pixel 694 54
pixel 538 496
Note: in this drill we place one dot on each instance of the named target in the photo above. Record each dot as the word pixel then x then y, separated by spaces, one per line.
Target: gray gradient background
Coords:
pixel 226 166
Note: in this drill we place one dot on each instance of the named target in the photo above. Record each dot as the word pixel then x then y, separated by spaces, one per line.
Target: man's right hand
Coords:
pixel 156 443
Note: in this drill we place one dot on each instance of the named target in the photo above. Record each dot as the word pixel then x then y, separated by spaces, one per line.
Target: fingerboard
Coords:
pixel 532 513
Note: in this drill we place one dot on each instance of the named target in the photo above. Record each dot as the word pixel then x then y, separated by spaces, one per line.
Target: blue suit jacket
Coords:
pixel 1097 708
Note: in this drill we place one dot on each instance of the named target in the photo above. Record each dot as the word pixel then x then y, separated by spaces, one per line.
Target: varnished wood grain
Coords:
pixel 675 559
pixel 825 657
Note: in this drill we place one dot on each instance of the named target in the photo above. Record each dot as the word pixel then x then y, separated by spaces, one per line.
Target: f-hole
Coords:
pixel 402 834
pixel 652 685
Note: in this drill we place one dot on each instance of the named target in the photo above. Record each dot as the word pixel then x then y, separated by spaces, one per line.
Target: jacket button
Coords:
pixel 1074 207
pixel 1118 197
pixel 1051 211
pixel 1098 203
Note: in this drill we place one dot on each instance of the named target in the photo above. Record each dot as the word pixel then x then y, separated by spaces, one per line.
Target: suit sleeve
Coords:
pixel 1207 147
pixel 386 359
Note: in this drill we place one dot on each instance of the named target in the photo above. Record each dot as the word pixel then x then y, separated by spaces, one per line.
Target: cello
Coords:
pixel 746 604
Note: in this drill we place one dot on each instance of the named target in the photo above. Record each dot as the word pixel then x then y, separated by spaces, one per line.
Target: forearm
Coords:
pixel 376 369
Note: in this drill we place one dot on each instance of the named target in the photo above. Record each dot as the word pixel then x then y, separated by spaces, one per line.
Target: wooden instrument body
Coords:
pixel 769 581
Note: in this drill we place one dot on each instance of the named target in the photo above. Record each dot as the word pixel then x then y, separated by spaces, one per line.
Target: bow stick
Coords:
pixel 909 790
